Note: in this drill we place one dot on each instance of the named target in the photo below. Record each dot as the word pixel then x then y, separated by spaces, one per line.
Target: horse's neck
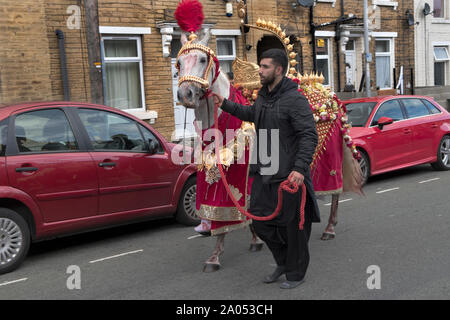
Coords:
pixel 202 114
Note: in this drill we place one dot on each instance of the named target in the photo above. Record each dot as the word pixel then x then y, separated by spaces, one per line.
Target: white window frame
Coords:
pixel 226 57
pixel 385 3
pixel 107 60
pixel 333 2
pixel 446 64
pixel 390 54
pixel 444 12
pixel 328 57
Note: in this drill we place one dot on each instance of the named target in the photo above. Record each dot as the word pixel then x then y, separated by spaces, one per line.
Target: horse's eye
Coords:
pixel 202 60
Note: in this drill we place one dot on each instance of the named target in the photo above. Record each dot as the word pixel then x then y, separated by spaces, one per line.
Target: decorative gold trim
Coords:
pixel 231 227
pixel 220 213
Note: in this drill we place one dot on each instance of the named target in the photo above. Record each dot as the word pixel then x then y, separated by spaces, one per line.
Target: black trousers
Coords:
pixel 288 244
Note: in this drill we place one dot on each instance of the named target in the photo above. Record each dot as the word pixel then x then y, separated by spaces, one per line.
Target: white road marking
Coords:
pixel 387 190
pixel 425 181
pixel 14 281
pixel 196 236
pixel 340 201
pixel 116 256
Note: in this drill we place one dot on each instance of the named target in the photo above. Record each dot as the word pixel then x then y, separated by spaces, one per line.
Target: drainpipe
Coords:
pixel 313 37
pixel 62 58
pixel 338 59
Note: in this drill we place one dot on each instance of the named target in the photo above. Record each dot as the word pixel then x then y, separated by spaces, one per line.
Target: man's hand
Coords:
pixel 296 177
pixel 218 99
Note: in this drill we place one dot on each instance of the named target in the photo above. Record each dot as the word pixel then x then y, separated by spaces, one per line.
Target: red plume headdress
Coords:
pixel 189 15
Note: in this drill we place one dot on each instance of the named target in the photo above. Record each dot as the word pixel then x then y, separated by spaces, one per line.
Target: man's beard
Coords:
pixel 268 80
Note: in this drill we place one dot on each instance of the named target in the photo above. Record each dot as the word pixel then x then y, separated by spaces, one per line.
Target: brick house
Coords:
pixel 432 42
pixel 126 59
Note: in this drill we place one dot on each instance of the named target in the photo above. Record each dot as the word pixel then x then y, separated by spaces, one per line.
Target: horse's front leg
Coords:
pixel 257 243
pixel 329 232
pixel 213 263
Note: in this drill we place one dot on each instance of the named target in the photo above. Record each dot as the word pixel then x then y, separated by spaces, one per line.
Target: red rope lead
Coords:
pixel 286 185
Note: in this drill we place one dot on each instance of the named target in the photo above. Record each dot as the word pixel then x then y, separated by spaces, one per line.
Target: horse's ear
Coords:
pixel 183 38
pixel 206 37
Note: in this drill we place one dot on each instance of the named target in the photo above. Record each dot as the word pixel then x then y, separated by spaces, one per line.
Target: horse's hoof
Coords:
pixel 328 236
pixel 211 267
pixel 256 247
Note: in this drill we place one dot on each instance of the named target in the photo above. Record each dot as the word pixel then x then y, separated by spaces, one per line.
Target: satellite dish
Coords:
pixel 427 9
pixel 306 3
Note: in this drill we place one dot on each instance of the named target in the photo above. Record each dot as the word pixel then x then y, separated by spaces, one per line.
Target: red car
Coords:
pixel 69 167
pixel 394 132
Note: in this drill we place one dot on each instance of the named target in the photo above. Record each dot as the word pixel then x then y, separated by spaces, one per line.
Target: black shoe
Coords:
pixel 279 271
pixel 291 284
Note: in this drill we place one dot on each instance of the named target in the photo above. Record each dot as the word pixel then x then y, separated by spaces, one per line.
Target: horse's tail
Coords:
pixel 352 175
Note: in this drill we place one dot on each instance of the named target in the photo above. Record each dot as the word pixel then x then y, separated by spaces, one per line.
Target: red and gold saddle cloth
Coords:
pixel 212 200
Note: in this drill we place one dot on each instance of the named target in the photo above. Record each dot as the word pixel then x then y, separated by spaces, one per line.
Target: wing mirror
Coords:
pixel 153 146
pixel 383 121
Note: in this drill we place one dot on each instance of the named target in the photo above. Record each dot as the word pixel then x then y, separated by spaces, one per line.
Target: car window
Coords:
pixel 390 109
pixel 148 135
pixel 3 136
pixel 44 130
pixel 415 108
pixel 110 131
pixel 359 112
pixel 433 109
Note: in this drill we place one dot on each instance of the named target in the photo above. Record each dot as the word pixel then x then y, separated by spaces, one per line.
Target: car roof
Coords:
pixel 382 98
pixel 6 110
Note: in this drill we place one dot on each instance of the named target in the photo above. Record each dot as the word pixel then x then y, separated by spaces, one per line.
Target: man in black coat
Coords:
pixel 287 117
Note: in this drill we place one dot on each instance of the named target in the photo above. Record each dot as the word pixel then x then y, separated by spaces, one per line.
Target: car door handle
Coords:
pixel 107 164
pixel 26 169
pixel 406 131
pixel 434 126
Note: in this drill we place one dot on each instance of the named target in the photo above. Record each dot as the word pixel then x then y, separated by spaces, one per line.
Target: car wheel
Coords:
pixel 443 155
pixel 186 213
pixel 364 163
pixel 14 240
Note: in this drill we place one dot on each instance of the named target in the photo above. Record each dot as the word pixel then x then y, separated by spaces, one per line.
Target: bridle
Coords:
pixel 212 60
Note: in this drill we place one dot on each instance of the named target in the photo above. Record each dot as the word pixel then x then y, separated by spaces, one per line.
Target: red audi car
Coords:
pixel 70 167
pixel 394 132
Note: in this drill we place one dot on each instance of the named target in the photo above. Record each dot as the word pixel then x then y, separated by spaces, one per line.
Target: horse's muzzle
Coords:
pixel 189 95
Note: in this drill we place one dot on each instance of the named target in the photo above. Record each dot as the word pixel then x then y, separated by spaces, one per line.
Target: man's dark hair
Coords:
pixel 278 57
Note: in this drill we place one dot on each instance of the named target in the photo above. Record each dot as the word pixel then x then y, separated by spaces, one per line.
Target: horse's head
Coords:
pixel 197 66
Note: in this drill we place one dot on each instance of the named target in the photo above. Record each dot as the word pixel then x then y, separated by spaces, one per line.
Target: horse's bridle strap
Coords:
pixel 211 59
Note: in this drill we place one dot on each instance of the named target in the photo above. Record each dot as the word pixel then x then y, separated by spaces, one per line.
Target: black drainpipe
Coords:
pixel 62 57
pixel 313 37
pixel 338 60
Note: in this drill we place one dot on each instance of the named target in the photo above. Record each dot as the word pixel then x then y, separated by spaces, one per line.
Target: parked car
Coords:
pixel 394 132
pixel 69 167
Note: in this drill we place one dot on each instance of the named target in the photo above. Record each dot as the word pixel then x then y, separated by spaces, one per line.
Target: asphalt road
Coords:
pixel 401 227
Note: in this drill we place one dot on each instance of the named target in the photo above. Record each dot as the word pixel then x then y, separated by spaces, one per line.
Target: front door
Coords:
pixel 184 118
pixel 350 63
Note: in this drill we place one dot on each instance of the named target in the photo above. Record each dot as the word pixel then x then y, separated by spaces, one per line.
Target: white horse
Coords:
pixel 198 69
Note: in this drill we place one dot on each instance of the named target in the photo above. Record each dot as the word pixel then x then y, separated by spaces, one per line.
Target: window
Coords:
pixel 109 131
pixel 323 60
pixel 226 53
pixel 390 109
pixel 439 8
pixel 441 59
pixel 384 55
pixel 358 113
pixel 433 109
pixel 123 73
pixel 415 108
pixel 44 130
pixel 148 135
pixel 3 136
